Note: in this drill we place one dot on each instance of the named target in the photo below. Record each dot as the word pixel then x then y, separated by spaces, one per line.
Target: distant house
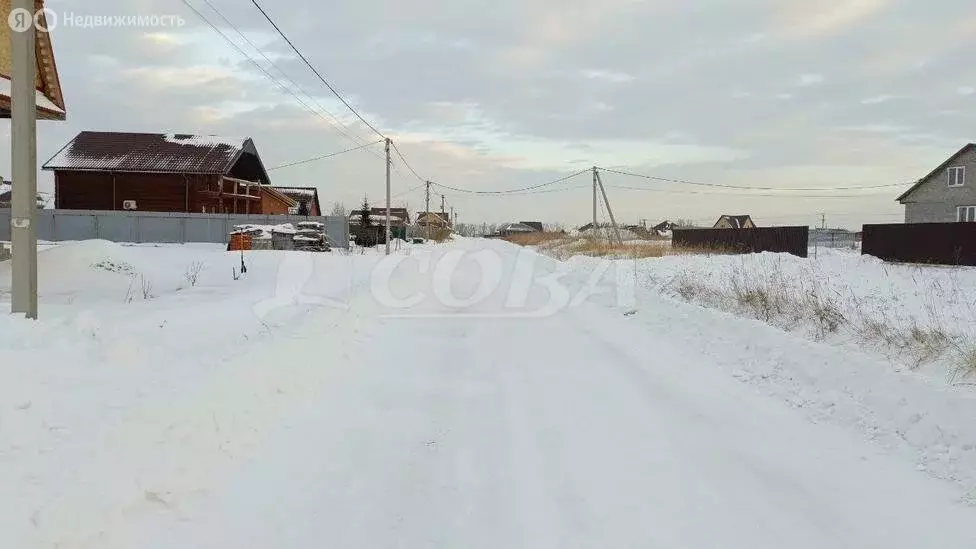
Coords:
pixel 734 222
pixel 511 229
pixel 306 199
pixel 273 201
pixel 588 227
pixel 6 196
pixel 535 225
pixel 432 219
pixel 663 226
pixel 947 194
pixel 399 217
pixel 162 173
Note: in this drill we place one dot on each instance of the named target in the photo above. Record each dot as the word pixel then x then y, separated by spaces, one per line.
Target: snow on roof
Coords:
pixel 356 219
pixel 41 100
pixel 264 231
pixel 517 228
pixel 296 191
pixel 148 152
pixel 310 225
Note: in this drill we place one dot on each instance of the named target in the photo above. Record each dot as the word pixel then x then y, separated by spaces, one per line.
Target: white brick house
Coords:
pixel 947 193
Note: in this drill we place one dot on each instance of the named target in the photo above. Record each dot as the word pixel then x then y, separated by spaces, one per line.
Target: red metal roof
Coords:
pixel 150 152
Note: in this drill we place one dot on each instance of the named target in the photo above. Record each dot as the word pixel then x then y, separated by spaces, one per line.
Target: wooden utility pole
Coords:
pixel 387 196
pixel 23 136
pixel 613 221
pixel 594 199
pixel 427 210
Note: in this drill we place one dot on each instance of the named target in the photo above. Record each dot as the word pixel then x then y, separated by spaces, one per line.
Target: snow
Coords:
pixel 40 99
pixel 376 218
pixel 234 144
pixel 299 407
pixel 296 191
pixel 265 231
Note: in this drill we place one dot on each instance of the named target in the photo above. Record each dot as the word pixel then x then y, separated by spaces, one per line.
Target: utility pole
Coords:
pixel 427 210
pixel 594 199
pixel 823 221
pixel 453 219
pixel 23 135
pixel 613 221
pixel 442 206
pixel 387 196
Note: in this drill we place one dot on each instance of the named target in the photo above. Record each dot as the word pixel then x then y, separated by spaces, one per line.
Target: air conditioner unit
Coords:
pixel 129 205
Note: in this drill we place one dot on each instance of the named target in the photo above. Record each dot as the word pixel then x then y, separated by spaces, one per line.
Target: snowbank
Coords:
pixel 837 378
pixel 124 389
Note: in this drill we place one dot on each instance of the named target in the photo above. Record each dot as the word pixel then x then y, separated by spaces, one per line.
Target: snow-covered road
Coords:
pixel 464 427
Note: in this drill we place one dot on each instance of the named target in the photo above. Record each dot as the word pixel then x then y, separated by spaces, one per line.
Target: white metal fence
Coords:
pixel 160 227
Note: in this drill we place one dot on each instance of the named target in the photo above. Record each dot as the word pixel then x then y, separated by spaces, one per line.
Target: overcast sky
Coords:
pixel 502 94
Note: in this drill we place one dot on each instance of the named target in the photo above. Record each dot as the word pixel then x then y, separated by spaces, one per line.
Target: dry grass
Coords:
pixel 964 363
pixel 561 246
pixel 535 239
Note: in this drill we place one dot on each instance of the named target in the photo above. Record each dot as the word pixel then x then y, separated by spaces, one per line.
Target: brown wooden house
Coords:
pixel 163 173
pixel 306 198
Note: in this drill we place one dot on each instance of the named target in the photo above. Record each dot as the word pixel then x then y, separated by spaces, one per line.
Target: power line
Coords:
pixel 314 70
pixel 511 191
pixel 324 156
pixel 410 190
pixel 686 182
pixel 674 191
pixel 522 193
pixel 271 62
pixel 257 65
pixel 407 164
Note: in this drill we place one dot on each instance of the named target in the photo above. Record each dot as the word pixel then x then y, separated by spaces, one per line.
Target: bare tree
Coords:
pixel 338 208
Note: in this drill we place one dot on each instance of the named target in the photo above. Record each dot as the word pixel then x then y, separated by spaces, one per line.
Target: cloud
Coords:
pixel 966 90
pixel 811 79
pixel 878 99
pixel 607 76
pixel 522 92
pixel 804 20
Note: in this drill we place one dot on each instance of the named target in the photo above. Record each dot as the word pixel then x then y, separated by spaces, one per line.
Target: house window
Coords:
pixel 957 176
pixel 966 213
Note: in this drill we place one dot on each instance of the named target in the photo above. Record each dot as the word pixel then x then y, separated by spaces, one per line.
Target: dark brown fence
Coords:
pixel 941 243
pixel 791 240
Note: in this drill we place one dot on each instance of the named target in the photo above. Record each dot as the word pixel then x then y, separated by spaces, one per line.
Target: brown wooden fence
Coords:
pixel 791 240
pixel 941 243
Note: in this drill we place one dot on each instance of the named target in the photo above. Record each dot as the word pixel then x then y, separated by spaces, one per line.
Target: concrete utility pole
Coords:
pixel 23 136
pixel 387 196
pixel 594 199
pixel 613 221
pixel 442 206
pixel 452 216
pixel 427 210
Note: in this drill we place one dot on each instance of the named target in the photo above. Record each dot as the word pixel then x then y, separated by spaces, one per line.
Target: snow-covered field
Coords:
pixel 347 401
